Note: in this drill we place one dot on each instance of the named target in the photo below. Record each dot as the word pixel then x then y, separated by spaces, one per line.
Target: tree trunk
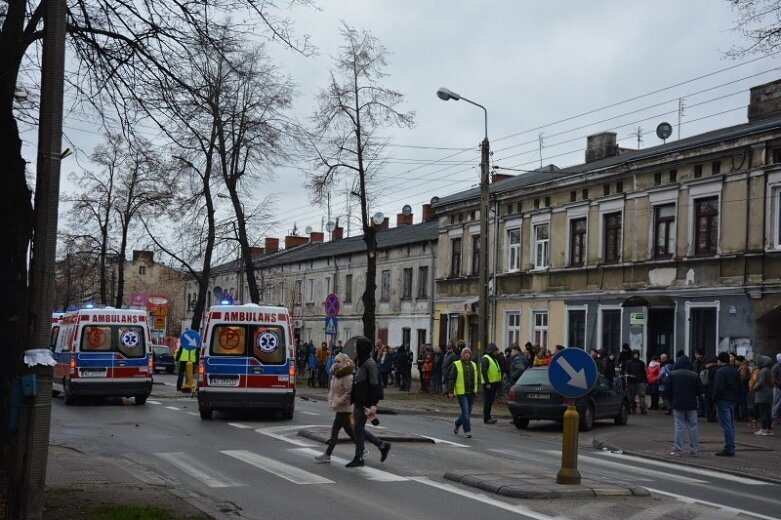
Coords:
pixel 121 269
pixel 369 297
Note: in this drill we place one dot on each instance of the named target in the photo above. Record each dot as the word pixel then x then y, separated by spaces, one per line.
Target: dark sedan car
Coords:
pixel 163 359
pixel 533 397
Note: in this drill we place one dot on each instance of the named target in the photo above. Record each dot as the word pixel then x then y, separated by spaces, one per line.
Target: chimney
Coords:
pixel 292 241
pixel 384 224
pixel 272 245
pixel 256 251
pixel 316 236
pixel 403 220
pixel 765 101
pixel 496 177
pixel 600 146
pixel 337 233
pixel 428 213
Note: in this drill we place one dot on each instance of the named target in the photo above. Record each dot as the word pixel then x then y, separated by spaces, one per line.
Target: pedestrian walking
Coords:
pixel 634 369
pixel 776 373
pixel 339 401
pixel 682 388
pixel 366 393
pixel 725 396
pixel 491 377
pixel 763 396
pixel 462 383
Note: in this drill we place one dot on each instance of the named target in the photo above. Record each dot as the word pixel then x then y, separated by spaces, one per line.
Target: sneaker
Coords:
pixel 490 421
pixel 386 446
pixel 693 453
pixel 355 463
pixel 675 453
pixel 760 432
pixel 455 429
pixel 365 452
pixel 725 453
pixel 468 435
pixel 323 459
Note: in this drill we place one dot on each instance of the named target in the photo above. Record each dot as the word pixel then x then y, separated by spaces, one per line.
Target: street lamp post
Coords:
pixel 482 324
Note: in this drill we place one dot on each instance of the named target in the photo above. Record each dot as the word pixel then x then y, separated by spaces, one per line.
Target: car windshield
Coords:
pixel 534 376
pixel 161 350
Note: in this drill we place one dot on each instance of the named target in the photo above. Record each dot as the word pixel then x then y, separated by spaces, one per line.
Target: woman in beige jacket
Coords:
pixel 339 401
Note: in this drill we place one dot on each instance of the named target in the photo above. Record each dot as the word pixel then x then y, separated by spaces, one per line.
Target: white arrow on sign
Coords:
pixel 577 378
pixel 192 341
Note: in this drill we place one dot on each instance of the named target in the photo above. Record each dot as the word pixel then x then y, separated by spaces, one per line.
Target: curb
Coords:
pixel 529 487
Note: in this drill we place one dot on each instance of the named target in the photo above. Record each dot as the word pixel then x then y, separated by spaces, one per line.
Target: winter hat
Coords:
pixel 680 353
pixel 491 348
pixel 363 346
pixel 723 357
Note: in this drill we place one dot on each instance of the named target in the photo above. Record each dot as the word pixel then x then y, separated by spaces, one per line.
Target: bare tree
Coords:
pixel 352 110
pixel 759 21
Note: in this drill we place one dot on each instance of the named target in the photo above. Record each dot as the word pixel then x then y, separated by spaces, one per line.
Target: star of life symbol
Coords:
pixel 267 341
pixel 130 339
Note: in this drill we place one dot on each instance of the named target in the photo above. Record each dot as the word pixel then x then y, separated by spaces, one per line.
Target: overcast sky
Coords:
pixel 530 64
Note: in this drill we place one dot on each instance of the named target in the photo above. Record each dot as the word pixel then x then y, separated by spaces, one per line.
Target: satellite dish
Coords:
pixel 378 218
pixel 434 200
pixel 406 210
pixel 308 229
pixel 330 226
pixel 664 130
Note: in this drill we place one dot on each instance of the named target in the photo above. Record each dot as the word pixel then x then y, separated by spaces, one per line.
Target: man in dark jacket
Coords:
pixel 682 389
pixel 518 364
pixel 726 388
pixel 491 379
pixel 635 371
pixel 698 365
pixel 447 361
pixel 366 393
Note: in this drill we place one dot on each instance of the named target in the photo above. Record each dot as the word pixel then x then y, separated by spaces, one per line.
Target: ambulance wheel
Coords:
pixel 55 393
pixel 140 399
pixel 206 414
pixel 288 414
pixel 67 396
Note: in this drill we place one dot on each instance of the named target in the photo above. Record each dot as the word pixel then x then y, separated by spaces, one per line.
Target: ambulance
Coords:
pixel 247 360
pixel 103 352
pixel 56 324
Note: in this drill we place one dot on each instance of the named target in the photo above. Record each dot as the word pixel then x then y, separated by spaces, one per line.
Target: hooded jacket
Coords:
pixel 683 386
pixel 485 363
pixel 652 371
pixel 341 384
pixel 763 392
pixel 367 388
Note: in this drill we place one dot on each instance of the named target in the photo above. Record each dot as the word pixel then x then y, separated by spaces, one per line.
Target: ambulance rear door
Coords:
pixel 227 363
pixel 268 360
pixel 131 354
pixel 95 356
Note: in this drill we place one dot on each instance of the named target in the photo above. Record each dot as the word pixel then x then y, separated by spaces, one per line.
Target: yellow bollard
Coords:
pixel 187 387
pixel 568 474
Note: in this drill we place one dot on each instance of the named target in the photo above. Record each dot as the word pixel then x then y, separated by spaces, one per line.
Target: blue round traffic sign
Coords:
pixel 572 372
pixel 190 340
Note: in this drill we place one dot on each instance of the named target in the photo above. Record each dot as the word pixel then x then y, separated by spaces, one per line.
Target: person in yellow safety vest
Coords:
pixel 183 356
pixel 462 383
pixel 491 377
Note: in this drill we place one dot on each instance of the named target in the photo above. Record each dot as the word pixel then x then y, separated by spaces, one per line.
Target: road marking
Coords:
pixel 642 471
pixel 199 470
pixel 443 441
pixel 307 413
pixel 479 497
pixel 727 509
pixel 168 384
pixel 193 413
pixel 278 468
pixel 696 471
pixel 545 461
pixel 173 408
pixel 370 473
pixel 239 425
pixel 153 402
pixel 276 433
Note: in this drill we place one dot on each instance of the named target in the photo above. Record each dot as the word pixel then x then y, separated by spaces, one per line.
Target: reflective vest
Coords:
pixel 494 372
pixel 185 355
pixel 459 388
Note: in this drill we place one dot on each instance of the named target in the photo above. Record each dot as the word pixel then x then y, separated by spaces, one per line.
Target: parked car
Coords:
pixel 163 359
pixel 532 397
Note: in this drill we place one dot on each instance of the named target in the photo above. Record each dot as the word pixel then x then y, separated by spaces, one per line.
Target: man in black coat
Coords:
pixel 726 388
pixel 682 389
pixel 635 371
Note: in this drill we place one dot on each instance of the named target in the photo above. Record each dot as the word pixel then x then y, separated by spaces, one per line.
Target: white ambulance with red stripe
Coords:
pixel 103 352
pixel 247 360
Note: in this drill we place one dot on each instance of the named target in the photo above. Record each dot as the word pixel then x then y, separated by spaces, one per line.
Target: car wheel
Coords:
pixel 288 414
pixel 169 370
pixel 140 399
pixel 55 393
pixel 521 422
pixel 67 396
pixel 623 416
pixel 206 414
pixel 587 418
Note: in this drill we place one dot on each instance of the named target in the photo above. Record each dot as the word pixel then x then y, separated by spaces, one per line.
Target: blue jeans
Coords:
pixel 465 402
pixel 686 419
pixel 726 413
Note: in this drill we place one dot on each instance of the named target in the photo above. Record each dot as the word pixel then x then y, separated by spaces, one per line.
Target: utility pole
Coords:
pixel 37 411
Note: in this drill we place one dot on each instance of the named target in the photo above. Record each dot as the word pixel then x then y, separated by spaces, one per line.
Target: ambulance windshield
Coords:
pixel 128 340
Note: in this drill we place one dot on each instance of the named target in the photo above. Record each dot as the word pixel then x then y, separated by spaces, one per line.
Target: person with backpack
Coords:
pixel 763 396
pixel 367 391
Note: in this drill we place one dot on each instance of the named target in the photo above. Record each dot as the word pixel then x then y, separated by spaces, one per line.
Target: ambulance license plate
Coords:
pixel 224 381
pixel 92 372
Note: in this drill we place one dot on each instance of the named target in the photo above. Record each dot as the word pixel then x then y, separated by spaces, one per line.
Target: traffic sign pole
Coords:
pixel 569 474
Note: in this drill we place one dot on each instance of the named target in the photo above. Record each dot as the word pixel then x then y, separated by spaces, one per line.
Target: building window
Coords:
pixel 620 187
pixel 298 292
pixel 585 195
pixel 475 254
pixel 611 330
pixel 455 257
pixel 348 288
pixel 423 281
pixel 657 178
pixel 715 167
pixel 612 251
pixel 536 203
pixel 142 270
pixel 573 196
pixel 577 241
pixel 697 171
pixel 541 246
pixel 327 287
pixel 673 175
pixel 664 230
pixel 513 327
pixel 513 248
pixel 407 288
pixel 406 336
pixel 778 219
pixel 576 328
pixel 282 294
pixel 606 190
pixel 540 328
pixel 310 293
pixel 706 225
pixel 386 282
pixel 547 202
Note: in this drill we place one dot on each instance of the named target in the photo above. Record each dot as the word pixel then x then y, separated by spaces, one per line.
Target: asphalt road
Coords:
pixel 257 466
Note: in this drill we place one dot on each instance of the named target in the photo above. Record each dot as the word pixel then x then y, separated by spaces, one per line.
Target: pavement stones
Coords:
pixel 529 486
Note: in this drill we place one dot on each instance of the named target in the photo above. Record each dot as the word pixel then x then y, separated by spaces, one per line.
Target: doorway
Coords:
pixel 661 332
pixel 703 330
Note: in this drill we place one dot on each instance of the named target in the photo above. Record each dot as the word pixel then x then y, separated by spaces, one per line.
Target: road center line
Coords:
pixel 369 473
pixel 239 425
pixel 479 497
pixel 443 441
pixel 278 468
